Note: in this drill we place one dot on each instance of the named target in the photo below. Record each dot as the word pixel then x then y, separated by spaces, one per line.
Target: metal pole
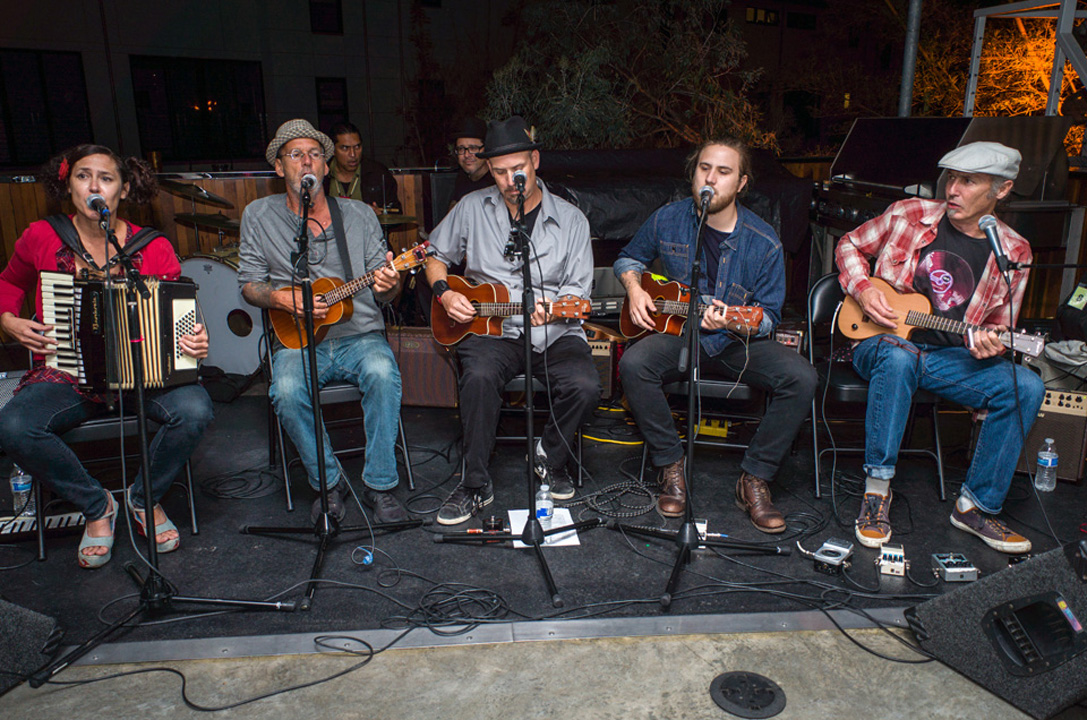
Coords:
pixel 909 58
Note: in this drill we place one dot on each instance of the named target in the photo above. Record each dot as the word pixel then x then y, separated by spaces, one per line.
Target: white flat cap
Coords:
pixel 984 157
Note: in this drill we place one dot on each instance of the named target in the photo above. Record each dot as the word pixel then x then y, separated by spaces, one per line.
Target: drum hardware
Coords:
pixel 394 219
pixel 218 220
pixel 195 193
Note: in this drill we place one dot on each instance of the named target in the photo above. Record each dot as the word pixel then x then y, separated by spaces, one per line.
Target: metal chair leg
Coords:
pixel 39 516
pixel 283 465
pixel 192 498
pixel 407 455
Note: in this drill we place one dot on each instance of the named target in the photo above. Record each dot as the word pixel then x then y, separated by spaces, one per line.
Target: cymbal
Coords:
pixel 195 192
pixel 219 221
pixel 394 219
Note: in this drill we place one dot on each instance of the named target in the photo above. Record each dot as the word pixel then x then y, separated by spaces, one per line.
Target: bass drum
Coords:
pixel 233 324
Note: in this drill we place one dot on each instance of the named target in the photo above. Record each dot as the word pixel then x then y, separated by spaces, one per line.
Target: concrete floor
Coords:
pixel 648 678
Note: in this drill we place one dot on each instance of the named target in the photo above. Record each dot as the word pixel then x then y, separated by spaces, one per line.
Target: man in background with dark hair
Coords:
pixel 744 265
pixel 353 176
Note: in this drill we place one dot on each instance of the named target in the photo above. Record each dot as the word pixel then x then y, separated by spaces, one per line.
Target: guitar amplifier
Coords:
pixel 427 374
pixel 9 380
pixel 1063 417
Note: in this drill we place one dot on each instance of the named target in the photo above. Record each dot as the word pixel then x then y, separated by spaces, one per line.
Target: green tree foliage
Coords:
pixel 628 73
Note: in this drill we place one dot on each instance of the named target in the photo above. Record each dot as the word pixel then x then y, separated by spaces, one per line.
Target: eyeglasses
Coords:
pixel 315 154
pixel 467 149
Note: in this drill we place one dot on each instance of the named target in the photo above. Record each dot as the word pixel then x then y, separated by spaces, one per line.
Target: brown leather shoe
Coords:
pixel 753 497
pixel 673 497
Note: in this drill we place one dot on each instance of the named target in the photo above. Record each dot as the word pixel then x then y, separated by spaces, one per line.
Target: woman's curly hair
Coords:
pixel 142 185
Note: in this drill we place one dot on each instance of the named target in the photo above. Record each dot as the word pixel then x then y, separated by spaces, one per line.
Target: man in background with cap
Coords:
pixel 938 249
pixel 475 174
pixel 477 232
pixel 345 241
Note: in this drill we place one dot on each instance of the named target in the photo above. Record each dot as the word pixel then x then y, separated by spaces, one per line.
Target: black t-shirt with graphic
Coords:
pixel 948 273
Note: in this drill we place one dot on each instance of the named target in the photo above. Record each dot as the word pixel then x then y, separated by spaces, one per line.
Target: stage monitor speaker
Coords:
pixel 1019 633
pixel 28 641
pixel 1063 417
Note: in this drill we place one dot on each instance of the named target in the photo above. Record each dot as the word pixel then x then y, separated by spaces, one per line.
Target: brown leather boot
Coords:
pixel 753 497
pixel 673 497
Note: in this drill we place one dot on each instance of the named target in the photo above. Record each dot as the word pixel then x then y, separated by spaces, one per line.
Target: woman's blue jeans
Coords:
pixel 895 369
pixel 364 360
pixel 33 421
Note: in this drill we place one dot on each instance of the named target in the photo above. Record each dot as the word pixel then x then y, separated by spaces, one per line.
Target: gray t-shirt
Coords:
pixel 268 234
pixel 476 230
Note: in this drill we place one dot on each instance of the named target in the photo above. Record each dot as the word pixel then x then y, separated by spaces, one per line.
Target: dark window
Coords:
pixel 326 17
pixel 43 105
pixel 431 3
pixel 800 20
pixel 331 102
pixel 199 110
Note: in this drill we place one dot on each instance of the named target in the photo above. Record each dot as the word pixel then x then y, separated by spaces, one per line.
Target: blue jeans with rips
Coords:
pixel 364 360
pixel 33 421
pixel 895 369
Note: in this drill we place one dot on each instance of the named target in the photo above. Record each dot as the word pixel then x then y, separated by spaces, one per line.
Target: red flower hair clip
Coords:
pixel 62 173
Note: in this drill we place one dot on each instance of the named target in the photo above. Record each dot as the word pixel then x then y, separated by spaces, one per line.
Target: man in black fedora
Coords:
pixel 476 232
pixel 467 138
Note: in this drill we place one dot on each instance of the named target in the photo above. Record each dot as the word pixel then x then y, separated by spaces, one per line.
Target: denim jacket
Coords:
pixel 752 269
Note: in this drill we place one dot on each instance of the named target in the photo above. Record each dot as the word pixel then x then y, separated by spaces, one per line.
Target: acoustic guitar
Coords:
pixel 915 311
pixel 493 306
pixel 671 300
pixel 291 329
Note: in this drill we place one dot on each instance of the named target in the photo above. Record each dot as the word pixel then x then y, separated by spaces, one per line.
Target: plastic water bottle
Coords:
pixel 22 491
pixel 545 506
pixel 1045 475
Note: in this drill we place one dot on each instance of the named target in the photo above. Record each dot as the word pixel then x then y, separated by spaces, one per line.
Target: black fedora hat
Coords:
pixel 505 137
pixel 469 127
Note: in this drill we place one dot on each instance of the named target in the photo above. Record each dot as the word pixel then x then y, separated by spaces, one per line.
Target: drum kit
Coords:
pixel 232 323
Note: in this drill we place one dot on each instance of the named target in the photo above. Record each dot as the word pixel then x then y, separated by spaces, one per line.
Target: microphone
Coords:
pixel 97 203
pixel 308 181
pixel 519 179
pixel 987 224
pixel 705 195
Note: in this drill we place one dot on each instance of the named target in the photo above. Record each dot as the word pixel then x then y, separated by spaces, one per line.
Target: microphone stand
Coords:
pixel 157 595
pixel 327 527
pixel 533 534
pixel 686 537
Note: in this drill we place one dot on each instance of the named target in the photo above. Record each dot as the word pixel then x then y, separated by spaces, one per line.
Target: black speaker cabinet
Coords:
pixel 1063 417
pixel 1019 633
pixel 28 641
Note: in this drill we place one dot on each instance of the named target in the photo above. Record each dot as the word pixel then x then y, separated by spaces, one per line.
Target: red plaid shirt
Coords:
pixel 895 239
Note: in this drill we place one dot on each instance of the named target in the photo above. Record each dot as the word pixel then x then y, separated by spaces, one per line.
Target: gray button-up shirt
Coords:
pixel 267 241
pixel 476 230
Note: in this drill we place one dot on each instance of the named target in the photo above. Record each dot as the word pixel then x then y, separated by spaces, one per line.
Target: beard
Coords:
pixel 719 202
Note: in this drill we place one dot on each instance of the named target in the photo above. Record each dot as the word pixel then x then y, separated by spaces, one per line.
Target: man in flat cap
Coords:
pixel 345 241
pixel 477 232
pixel 938 249
pixel 475 174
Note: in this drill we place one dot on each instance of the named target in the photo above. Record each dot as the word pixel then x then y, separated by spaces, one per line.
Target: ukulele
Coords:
pixel 671 300
pixel 493 306
pixel 917 311
pixel 291 329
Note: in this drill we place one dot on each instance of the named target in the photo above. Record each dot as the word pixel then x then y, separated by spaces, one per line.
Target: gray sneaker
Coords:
pixel 562 487
pixel 994 533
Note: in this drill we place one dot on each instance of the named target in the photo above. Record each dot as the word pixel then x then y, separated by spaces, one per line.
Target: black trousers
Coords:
pixel 487 364
pixel 765 364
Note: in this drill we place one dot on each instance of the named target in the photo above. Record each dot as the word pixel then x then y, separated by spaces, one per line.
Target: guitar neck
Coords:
pixel 942 324
pixel 506 309
pixel 677 307
pixel 350 288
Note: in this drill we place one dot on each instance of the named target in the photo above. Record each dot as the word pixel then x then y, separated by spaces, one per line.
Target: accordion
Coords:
pixel 93 344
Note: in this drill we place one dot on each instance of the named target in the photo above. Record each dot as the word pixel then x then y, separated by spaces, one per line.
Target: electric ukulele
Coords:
pixel 291 330
pixel 917 313
pixel 493 306
pixel 671 300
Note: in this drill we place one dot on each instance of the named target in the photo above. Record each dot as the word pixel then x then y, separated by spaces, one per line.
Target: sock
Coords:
pixel 877 486
pixel 964 504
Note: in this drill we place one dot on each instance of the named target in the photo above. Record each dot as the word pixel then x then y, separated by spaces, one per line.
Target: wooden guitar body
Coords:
pixel 449 332
pixel 291 330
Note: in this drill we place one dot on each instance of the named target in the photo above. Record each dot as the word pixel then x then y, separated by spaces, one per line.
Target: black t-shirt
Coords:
pixel 948 273
pixel 712 242
pixel 465 185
